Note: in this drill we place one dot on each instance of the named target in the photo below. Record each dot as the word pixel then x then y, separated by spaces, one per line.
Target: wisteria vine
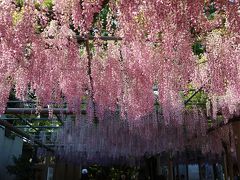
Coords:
pixel 39 51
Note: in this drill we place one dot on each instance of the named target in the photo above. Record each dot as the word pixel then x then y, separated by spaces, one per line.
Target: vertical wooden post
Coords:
pixel 177 171
pixel 170 168
pixel 59 171
pixel 46 165
pixel 229 164
pixel 187 173
pixel 215 172
pixel 77 173
pixel 225 165
pixel 200 171
pixel 70 171
pixel 158 165
pixel 236 135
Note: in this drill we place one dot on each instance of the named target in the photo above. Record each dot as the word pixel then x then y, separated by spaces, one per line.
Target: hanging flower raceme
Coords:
pixel 114 141
pixel 5 88
pixel 107 78
pixel 223 71
pixel 81 12
pixel 138 78
pixel 233 16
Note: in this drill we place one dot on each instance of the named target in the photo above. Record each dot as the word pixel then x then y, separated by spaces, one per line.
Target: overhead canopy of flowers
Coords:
pixel 46 48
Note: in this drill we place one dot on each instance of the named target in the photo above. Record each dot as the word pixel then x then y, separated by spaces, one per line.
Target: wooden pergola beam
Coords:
pixel 32 119
pixel 34 111
pixel 38 127
pixel 23 134
pixel 103 38
pixel 220 125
